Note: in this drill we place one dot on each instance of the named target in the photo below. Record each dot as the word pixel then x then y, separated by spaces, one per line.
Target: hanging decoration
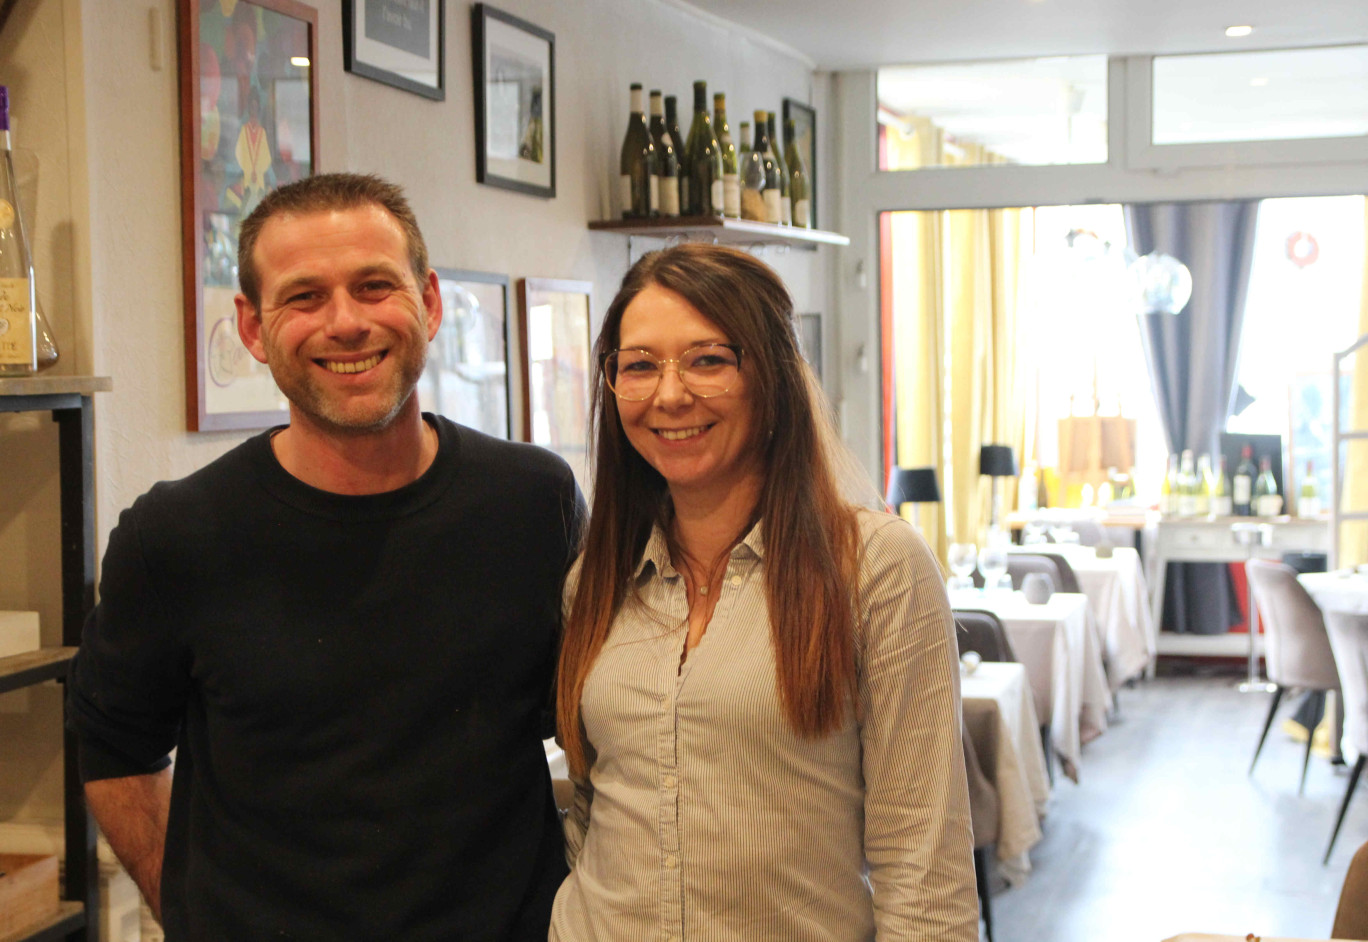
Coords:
pixel 1302 249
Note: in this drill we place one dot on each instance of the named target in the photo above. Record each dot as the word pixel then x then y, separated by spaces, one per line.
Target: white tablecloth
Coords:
pixel 1058 646
pixel 1344 590
pixel 1345 594
pixel 1120 602
pixel 999 713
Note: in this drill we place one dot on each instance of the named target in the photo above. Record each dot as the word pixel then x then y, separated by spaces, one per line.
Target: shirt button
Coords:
pixel 668 781
pixel 736 580
pixel 671 862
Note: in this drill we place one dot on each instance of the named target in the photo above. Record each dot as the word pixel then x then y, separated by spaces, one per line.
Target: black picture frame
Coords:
pixel 804 119
pixel 381 40
pixel 515 102
pixel 467 377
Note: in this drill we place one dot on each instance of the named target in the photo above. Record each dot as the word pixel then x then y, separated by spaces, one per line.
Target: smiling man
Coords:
pixel 346 627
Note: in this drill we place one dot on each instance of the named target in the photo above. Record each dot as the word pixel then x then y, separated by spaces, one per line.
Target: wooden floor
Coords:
pixel 1165 833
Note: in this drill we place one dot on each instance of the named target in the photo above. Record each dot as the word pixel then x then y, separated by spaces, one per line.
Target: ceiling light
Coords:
pixel 1235 32
pixel 301 61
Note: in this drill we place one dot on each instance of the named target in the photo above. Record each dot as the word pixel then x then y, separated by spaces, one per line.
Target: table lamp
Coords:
pixel 997 461
pixel 912 486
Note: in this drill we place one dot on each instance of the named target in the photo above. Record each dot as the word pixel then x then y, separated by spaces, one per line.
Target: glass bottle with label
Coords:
pixel 638 185
pixel 760 179
pixel 1168 488
pixel 1187 486
pixel 799 183
pixel 18 291
pixel 667 161
pixel 731 168
pixel 1308 498
pixel 1221 503
pixel 1203 485
pixel 677 136
pixel 743 151
pixel 776 148
pixel 1267 500
pixel 1242 484
pixel 704 160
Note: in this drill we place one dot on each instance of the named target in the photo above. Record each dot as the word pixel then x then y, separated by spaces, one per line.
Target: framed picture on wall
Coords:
pixel 249 123
pixel 398 42
pixel 557 367
pixel 804 121
pixel 466 377
pixel 515 102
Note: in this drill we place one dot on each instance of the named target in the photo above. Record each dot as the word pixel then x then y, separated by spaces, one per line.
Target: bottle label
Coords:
pixel 753 206
pixel 1242 486
pixel 625 194
pixel 6 214
pixel 718 198
pixel 785 210
pixel 16 322
pixel 669 195
pixel 1222 506
pixel 1308 506
pixel 774 210
pixel 654 187
pixel 731 195
pixel 802 214
pixel 1187 505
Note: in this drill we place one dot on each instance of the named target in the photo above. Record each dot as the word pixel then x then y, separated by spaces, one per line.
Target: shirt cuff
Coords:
pixel 100 762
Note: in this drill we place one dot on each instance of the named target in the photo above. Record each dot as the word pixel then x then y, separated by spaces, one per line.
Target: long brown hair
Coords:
pixel 809 529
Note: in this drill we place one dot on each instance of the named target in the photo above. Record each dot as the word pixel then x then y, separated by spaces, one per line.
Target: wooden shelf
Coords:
pixel 54 385
pixel 70 917
pixel 34 667
pixel 727 231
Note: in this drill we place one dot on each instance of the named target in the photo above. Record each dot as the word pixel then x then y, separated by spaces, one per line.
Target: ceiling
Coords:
pixel 863 34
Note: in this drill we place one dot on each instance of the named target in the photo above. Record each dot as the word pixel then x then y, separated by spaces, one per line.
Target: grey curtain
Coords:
pixel 1193 357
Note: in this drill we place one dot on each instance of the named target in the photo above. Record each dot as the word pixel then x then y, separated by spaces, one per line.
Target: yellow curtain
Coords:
pixel 1353 548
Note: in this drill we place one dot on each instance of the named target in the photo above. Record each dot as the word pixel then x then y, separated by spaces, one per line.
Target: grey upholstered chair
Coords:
pixel 1068 579
pixel 1349 640
pixel 1020 564
pixel 1296 646
pixel 983 633
pixel 983 817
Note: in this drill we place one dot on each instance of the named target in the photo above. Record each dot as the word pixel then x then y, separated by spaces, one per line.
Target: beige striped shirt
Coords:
pixel 705 817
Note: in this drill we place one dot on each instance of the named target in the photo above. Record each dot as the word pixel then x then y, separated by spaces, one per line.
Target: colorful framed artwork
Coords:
pixel 515 102
pixel 805 132
pixel 557 367
pixel 249 123
pixel 466 377
pixel 398 42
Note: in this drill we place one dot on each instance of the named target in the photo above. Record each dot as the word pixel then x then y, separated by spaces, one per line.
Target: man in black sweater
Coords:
pixel 346 627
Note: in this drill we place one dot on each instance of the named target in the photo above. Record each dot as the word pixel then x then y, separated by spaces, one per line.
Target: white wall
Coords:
pixel 106 122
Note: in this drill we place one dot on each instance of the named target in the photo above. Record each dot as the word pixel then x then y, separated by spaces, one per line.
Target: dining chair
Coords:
pixel 1090 532
pixel 982 632
pixel 983 817
pixel 1019 565
pixel 1296 647
pixel 1349 640
pixel 1068 579
pixel 1351 918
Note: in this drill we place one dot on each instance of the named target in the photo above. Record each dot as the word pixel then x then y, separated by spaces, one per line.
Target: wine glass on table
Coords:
pixel 962 558
pixel 992 562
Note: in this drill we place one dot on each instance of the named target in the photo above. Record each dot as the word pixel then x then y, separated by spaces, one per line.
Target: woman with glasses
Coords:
pixel 758 692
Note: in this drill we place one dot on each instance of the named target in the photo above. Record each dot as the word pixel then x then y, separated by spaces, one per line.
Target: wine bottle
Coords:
pixel 776 148
pixel 677 138
pixel 1221 504
pixel 18 288
pixel 1187 486
pixel 1242 485
pixel 1267 501
pixel 760 182
pixel 800 188
pixel 731 169
pixel 744 150
pixel 1308 498
pixel 638 185
pixel 1168 488
pixel 704 170
pixel 1203 486
pixel 667 161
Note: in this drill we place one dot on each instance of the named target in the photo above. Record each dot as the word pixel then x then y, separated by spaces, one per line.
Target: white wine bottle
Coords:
pixel 677 137
pixel 703 160
pixel 667 161
pixel 638 185
pixel 800 190
pixel 731 174
pixel 1221 503
pixel 18 290
pixel 760 180
pixel 1308 498
pixel 743 152
pixel 775 148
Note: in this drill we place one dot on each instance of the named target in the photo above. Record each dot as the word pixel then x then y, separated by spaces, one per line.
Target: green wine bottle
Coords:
pixel 760 193
pixel 667 161
pixel 800 188
pixel 638 186
pixel 731 174
pixel 704 160
pixel 776 147
pixel 677 137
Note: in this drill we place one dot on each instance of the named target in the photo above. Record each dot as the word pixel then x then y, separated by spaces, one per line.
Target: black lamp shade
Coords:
pixel 997 461
pixel 912 486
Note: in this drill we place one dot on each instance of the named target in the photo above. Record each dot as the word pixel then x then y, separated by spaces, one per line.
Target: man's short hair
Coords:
pixel 321 193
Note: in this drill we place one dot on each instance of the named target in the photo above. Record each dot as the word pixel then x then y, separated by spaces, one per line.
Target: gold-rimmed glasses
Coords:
pixel 707 370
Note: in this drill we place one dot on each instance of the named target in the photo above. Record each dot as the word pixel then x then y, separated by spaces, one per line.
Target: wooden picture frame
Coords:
pixel 466 377
pixel 557 367
pixel 804 119
pixel 246 101
pixel 515 102
pixel 386 41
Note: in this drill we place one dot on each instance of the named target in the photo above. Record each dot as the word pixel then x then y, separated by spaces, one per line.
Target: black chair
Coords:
pixel 983 817
pixel 982 632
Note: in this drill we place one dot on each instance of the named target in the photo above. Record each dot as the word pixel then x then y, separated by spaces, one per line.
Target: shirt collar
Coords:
pixel 657 551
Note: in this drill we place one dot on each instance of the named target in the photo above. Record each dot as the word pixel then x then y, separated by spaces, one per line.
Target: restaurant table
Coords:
pixel 1345 592
pixel 1057 644
pixel 1000 717
pixel 1119 598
